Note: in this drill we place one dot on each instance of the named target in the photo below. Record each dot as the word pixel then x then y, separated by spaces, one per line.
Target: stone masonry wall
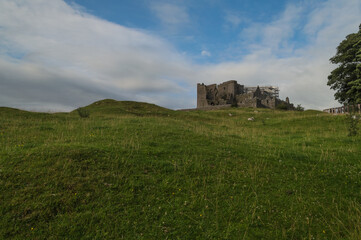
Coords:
pixel 231 92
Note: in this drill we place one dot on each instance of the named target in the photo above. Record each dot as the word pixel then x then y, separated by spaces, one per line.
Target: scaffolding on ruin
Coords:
pixel 273 91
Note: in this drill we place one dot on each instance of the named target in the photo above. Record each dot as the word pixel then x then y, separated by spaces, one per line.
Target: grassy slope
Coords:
pixel 138 171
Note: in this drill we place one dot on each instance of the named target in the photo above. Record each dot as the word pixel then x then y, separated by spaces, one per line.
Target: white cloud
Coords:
pixel 205 53
pixel 58 55
pixel 170 14
pixel 276 34
pixel 233 18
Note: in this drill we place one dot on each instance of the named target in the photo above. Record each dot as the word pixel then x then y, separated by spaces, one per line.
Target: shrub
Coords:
pixel 300 108
pixel 83 112
pixel 282 106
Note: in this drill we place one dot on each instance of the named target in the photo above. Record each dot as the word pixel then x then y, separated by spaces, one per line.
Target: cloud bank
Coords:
pixel 55 56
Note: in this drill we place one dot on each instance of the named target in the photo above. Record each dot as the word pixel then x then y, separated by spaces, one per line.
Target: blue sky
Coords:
pixel 61 54
pixel 213 27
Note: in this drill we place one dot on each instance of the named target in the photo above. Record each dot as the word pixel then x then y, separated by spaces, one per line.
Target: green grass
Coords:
pixel 139 171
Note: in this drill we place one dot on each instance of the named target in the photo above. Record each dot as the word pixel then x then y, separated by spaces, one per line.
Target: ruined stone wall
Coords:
pixel 344 109
pixel 212 95
pixel 231 92
pixel 247 100
pixel 201 96
pixel 269 102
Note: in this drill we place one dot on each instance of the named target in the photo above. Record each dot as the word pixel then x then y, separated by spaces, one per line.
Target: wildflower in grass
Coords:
pixel 173 193
pixel 32 229
pixel 200 215
pixel 323 231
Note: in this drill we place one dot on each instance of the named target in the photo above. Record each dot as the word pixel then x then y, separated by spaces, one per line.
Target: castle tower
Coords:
pixel 201 95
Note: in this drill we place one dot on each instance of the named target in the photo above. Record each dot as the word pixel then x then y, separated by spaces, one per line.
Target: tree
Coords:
pixel 346 78
pixel 300 108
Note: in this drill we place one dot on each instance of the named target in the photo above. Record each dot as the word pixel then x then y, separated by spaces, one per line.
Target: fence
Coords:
pixel 344 109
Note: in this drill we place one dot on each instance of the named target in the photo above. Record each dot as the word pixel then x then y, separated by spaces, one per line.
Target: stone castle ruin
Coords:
pixel 231 93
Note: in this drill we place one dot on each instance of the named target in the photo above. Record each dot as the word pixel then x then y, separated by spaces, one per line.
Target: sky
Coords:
pixel 58 55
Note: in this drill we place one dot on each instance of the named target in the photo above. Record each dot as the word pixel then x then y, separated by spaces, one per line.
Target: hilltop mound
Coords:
pixel 10 110
pixel 110 106
pixel 7 111
pixel 102 107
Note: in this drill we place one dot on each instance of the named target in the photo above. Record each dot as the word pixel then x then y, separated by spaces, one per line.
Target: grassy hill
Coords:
pixel 139 171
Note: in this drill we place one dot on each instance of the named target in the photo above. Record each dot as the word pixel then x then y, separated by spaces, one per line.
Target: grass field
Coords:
pixel 138 171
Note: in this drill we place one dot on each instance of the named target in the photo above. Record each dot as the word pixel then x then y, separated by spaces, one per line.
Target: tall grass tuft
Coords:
pixel 352 121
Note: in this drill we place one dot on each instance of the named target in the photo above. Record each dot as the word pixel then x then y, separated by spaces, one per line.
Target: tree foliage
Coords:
pixel 346 78
pixel 300 108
